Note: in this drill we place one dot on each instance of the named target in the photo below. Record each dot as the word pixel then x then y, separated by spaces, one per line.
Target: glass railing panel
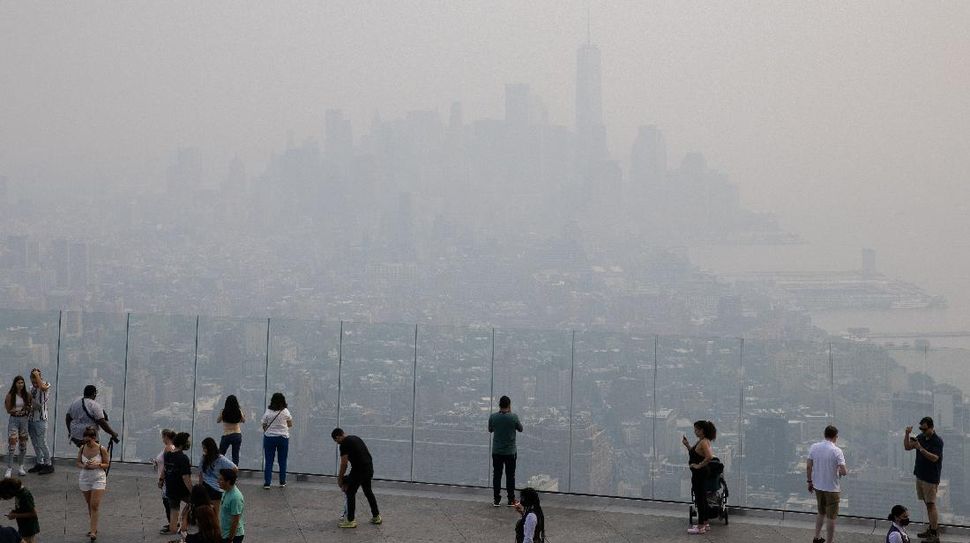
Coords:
pixel 161 359
pixel 377 386
pixel 451 444
pixel 92 353
pixel 787 405
pixel 303 365
pixel 232 360
pixel 533 368
pixel 697 379
pixel 28 340
pixel 613 449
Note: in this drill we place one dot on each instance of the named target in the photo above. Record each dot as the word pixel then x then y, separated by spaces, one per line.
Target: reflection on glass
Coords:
pixel 92 353
pixel 613 418
pixel 451 444
pixel 161 360
pixel 697 379
pixel 232 360
pixel 377 390
pixel 303 365
pixel 532 368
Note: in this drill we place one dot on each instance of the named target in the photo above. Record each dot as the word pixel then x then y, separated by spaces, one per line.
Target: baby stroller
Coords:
pixel 717 493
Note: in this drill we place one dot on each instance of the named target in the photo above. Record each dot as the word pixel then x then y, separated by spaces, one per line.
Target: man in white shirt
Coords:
pixel 826 464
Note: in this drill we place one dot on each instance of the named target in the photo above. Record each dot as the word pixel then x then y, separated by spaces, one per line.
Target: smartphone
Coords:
pixel 911 438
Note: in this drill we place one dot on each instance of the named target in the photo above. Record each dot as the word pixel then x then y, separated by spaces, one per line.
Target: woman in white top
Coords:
pixel 900 519
pixel 168 436
pixel 531 528
pixel 93 460
pixel 276 437
pixel 18 406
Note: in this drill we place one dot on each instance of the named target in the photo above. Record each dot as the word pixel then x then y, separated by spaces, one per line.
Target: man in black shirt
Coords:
pixel 929 465
pixel 353 451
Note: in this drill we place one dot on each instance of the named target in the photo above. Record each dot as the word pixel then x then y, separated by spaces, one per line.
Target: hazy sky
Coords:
pixel 849 119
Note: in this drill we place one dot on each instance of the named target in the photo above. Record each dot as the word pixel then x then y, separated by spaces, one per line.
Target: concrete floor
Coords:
pixel 307 510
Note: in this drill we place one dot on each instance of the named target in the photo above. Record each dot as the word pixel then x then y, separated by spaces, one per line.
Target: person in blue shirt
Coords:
pixel 210 466
pixel 927 469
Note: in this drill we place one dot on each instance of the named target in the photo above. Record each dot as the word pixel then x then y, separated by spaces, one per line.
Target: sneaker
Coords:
pixel 21 471
pixel 933 537
pixel 165 530
pixel 512 503
pixel 496 504
pixel 377 520
pixel 283 484
pixel 7 473
pixel 36 468
pixel 696 530
pixel 818 540
pixel 925 533
pixel 348 524
pixel 46 469
pixel 267 487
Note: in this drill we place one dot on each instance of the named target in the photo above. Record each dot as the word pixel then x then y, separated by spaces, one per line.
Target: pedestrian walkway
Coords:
pixel 307 511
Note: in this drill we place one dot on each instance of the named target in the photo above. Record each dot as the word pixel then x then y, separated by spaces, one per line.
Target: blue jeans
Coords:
pixel 233 440
pixel 38 435
pixel 272 445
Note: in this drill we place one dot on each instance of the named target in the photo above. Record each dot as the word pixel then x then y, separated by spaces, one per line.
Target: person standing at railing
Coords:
pixel 37 425
pixel 927 469
pixel 699 458
pixel 503 427
pixel 231 417
pixel 277 422
pixel 17 402
pixel 86 412
pixel 825 465
pixel 355 455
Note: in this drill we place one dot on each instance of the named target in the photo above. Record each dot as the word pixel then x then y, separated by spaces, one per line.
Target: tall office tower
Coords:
pixel 80 259
pixel 18 252
pixel 184 173
pixel 648 159
pixel 339 136
pixel 590 131
pixel 517 104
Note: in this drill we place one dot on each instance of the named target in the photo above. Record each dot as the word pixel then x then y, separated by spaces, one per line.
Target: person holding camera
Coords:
pixel 927 469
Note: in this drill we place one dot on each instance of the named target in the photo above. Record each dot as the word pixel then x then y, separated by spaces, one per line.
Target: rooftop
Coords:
pixel 307 510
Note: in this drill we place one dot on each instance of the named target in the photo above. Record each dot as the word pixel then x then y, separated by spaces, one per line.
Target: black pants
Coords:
pixel 361 481
pixel 698 483
pixel 168 508
pixel 500 461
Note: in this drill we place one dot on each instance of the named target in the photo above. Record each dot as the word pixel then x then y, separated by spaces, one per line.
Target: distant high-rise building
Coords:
pixel 80 264
pixel 517 102
pixel 18 252
pixel 61 262
pixel 339 136
pixel 590 131
pixel 589 97
pixel 184 173
pixel 648 159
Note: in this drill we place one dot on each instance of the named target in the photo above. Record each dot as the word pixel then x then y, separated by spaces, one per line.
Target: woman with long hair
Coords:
pixel 231 417
pixel 277 422
pixel 18 406
pixel 93 461
pixel 531 528
pixel 206 517
pixel 212 463
pixel 700 455
pixel 168 436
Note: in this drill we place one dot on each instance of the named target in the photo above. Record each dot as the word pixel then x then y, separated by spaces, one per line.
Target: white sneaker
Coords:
pixel 7 473
pixel 22 472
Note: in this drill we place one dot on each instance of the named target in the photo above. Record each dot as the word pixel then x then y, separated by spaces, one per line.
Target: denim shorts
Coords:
pixel 17 427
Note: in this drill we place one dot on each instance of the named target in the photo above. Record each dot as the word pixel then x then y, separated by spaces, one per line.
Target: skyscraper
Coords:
pixel 648 159
pixel 590 131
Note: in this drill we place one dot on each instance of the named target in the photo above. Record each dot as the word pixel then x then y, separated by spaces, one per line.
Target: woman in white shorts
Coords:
pixel 93 460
